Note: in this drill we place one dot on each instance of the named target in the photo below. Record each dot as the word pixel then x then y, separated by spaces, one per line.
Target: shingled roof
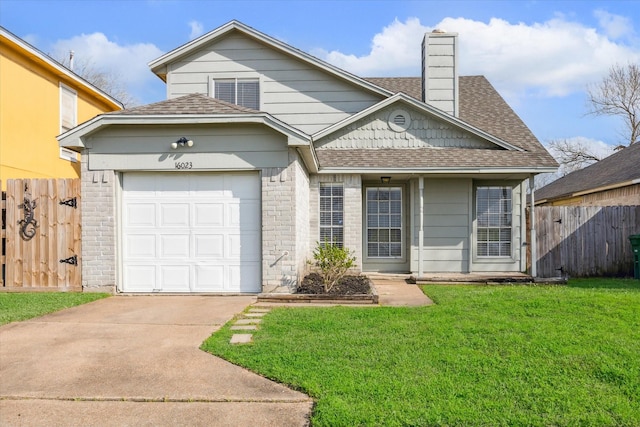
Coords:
pixel 618 168
pixel 481 106
pixel 194 103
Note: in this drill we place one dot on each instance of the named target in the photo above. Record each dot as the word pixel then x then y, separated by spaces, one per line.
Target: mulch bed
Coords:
pixel 348 285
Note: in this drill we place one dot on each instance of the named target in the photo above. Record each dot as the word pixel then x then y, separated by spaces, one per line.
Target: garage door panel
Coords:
pixel 209 214
pixel 140 246
pixel 140 215
pixel 246 275
pixel 174 278
pixel 140 278
pixel 243 247
pixel 174 215
pixel 243 186
pixel 245 215
pixel 209 246
pixel 174 246
pixel 186 232
pixel 209 278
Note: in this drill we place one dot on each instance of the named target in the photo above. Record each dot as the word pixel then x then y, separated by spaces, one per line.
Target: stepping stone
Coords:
pixel 254 314
pixel 244 327
pixel 247 321
pixel 241 338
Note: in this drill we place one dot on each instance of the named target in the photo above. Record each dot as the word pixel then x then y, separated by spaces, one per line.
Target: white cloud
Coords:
pixel 553 58
pixel 126 61
pixel 615 26
pixel 196 29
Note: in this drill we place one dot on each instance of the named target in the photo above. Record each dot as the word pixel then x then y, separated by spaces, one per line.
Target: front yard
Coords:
pixel 483 355
pixel 15 307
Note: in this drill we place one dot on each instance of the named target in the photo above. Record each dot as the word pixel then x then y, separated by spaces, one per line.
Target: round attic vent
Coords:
pixel 399 120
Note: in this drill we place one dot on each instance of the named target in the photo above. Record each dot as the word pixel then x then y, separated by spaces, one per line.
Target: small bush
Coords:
pixel 333 261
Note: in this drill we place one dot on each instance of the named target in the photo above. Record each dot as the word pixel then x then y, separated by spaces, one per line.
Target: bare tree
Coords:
pixel 618 94
pixel 573 154
pixel 109 82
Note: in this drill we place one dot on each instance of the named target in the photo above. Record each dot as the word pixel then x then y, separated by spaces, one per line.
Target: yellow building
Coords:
pixel 40 99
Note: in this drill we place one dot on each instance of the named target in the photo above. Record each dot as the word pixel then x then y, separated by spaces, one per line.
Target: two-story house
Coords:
pixel 40 99
pixel 262 150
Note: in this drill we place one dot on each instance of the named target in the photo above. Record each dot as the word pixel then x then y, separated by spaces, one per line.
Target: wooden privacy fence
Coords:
pixel 41 235
pixel 581 241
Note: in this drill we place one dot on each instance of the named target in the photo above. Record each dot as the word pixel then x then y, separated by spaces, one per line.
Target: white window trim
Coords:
pixel 489 258
pixel 320 226
pixel 402 225
pixel 69 155
pixel 236 77
pixel 63 88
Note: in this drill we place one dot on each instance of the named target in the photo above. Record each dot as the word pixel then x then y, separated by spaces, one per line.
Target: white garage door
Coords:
pixel 191 232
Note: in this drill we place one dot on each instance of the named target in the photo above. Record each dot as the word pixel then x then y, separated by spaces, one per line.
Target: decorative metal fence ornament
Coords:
pixel 27 225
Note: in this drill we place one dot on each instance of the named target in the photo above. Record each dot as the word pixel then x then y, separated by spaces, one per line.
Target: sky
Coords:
pixel 540 55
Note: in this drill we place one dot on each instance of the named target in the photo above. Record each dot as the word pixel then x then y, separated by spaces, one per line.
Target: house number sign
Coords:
pixel 183 165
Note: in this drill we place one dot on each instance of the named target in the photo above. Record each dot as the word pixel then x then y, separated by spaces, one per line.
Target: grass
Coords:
pixel 483 356
pixel 15 307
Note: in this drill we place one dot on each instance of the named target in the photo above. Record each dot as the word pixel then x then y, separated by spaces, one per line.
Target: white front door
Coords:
pixel 191 232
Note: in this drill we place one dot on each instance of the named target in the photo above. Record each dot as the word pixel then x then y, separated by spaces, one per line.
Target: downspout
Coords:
pixel 421 227
pixel 532 219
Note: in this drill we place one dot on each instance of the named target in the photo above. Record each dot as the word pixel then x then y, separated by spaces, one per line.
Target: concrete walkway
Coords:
pixel 134 360
pixel 396 292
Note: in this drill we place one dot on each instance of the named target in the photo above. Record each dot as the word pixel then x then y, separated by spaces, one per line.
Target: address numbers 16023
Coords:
pixel 183 165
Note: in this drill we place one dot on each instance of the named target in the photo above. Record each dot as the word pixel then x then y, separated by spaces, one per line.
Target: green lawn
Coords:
pixel 483 355
pixel 22 306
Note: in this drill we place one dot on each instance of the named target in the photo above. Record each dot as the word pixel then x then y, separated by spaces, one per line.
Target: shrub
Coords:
pixel 333 261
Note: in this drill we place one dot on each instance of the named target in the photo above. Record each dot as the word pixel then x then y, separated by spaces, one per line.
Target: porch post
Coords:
pixel 532 219
pixel 421 227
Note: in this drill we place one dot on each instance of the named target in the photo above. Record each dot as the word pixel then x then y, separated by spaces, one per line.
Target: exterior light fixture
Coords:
pixel 385 179
pixel 182 142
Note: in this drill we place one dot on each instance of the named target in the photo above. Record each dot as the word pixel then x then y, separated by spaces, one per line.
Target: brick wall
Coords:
pixel 283 200
pixel 98 229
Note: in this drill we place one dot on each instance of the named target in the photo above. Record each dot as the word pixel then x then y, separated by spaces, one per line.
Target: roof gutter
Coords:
pixel 438 170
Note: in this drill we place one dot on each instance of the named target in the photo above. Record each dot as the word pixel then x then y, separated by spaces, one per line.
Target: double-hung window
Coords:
pixel 243 92
pixel 493 215
pixel 332 214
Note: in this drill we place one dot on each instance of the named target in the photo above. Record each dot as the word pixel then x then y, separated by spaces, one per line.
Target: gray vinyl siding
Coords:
pixel 424 131
pixel 219 147
pixel 291 90
pixel 446 225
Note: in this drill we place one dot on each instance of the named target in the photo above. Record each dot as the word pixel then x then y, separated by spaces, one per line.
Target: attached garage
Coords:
pixel 190 232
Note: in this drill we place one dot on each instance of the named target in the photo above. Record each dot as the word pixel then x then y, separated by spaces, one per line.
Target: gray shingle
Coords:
pixel 194 103
pixel 619 167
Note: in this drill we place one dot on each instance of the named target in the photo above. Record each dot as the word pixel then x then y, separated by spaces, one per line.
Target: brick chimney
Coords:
pixel 440 70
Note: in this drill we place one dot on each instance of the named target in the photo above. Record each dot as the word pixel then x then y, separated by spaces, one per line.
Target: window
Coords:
pixel 68 108
pixel 243 92
pixel 332 214
pixel 384 222
pixel 493 215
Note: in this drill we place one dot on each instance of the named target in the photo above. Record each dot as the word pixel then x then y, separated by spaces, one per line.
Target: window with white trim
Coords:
pixel 384 222
pixel 243 92
pixel 332 213
pixel 493 216
pixel 68 108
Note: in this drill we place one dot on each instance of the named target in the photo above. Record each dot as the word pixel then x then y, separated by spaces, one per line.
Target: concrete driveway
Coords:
pixel 134 360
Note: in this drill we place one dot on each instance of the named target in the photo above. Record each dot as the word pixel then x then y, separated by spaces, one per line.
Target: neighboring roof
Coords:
pixel 158 66
pixel 194 103
pixel 619 169
pixel 59 69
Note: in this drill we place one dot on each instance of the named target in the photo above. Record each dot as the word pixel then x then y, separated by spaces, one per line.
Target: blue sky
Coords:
pixel 540 55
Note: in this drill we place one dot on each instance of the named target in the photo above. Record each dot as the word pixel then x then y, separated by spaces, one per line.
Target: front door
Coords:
pixel 385 242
